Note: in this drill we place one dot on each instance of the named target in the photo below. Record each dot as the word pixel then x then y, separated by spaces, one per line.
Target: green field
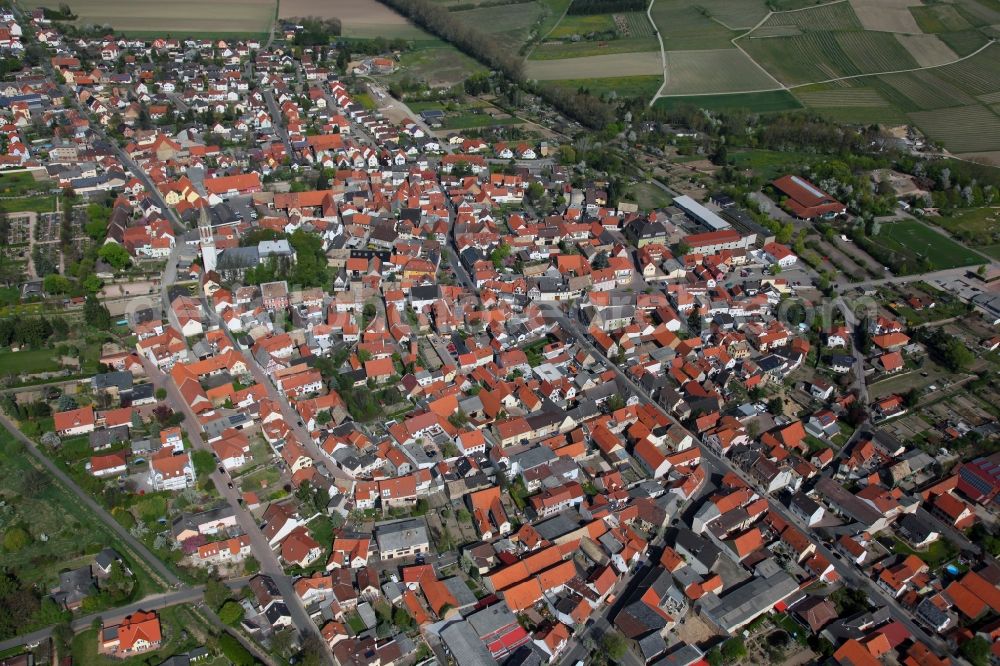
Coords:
pixel 914 242
pixel 764 102
pixel 21 183
pixel 648 196
pixel 838 16
pixel 769 164
pixel 684 26
pixel 439 66
pixel 962 129
pixel 939 18
pixel 734 14
pixel 716 71
pixel 177 18
pixel 980 227
pixel 512 22
pixel 561 50
pixel 643 87
pixel 29 361
pixel 820 56
pixel 39 204
pixel 475 120
pixel 582 24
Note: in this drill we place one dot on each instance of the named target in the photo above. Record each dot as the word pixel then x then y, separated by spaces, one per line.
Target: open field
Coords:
pixel 914 241
pixel 719 70
pixel 440 66
pixel 359 18
pixel 683 26
pixel 643 87
pixel 819 56
pixel 962 129
pixel 778 100
pixel 177 18
pixel 887 15
pixel 648 196
pixel 582 24
pixel 927 50
pixel 734 14
pixel 939 18
pixel 512 22
pixel 565 50
pixel 837 16
pixel 977 226
pixel 612 65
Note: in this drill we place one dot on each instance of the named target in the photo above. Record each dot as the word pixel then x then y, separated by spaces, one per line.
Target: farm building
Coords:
pixel 700 214
pixel 806 200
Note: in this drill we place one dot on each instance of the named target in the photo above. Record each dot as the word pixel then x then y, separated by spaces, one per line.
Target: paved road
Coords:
pixel 259 545
pixel 153 602
pixel 851 575
pixel 159 569
pixel 852 322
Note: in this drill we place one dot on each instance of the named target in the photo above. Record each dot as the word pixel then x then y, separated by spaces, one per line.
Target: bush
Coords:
pixel 235 652
pixel 231 613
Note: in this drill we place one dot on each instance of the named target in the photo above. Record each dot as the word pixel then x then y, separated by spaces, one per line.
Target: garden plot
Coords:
pixel 887 15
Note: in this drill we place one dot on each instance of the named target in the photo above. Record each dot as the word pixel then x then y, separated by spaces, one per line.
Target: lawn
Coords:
pixel 20 183
pixel 937 554
pixel 439 66
pixel 29 361
pixel 769 164
pixel 920 247
pixel 475 120
pixel 765 102
pixel 37 204
pixel 648 196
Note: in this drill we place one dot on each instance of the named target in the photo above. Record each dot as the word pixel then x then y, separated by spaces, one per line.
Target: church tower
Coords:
pixel 207 241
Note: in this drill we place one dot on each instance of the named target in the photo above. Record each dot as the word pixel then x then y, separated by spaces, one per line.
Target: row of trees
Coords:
pixel 605 6
pixel 486 48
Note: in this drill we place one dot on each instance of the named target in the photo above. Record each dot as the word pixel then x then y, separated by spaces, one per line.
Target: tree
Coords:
pixel 231 613
pixel 776 406
pixel 56 284
pixel 976 650
pixel 204 462
pixel 96 314
pixel 15 538
pixel 613 645
pixel 161 393
pixel 216 593
pixel 694 322
pixel 733 650
pixel 313 651
pixel 235 652
pixel 115 254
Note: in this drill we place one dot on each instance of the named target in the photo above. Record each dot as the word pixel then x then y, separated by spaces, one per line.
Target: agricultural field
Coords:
pixel 584 49
pixel 734 14
pixel 886 15
pixel 509 22
pixel 963 129
pixel 917 244
pixel 764 102
pixel 576 36
pixel 178 18
pixel 643 87
pixel 598 66
pixel 720 70
pixel 686 26
pixel 359 18
pixel 439 66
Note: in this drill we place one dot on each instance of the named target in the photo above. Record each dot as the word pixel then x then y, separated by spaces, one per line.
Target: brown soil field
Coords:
pixel 927 50
pixel 359 18
pixel 177 18
pixel 887 15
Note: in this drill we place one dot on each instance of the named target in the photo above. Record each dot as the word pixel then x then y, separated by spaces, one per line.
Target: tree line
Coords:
pixel 487 49
pixel 606 6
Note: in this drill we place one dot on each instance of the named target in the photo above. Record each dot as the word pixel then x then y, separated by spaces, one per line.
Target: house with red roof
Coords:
pixel 137 633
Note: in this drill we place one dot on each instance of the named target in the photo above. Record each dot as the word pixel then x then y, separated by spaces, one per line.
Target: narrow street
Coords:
pixel 720 466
